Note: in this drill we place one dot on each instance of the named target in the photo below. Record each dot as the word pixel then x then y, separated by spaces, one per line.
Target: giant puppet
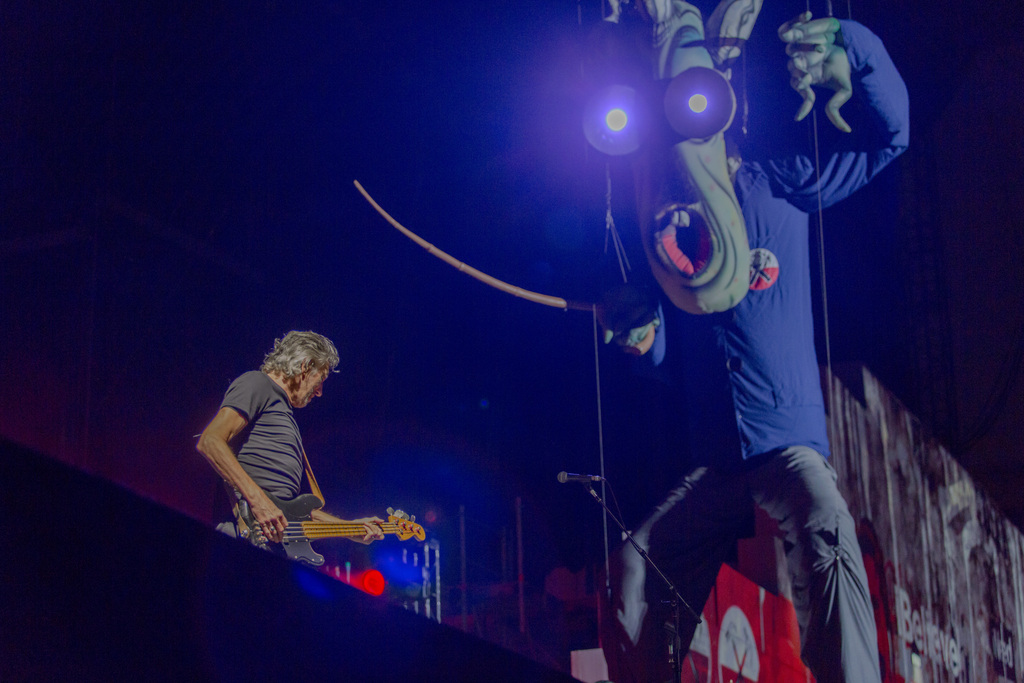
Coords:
pixel 727 316
pixel 730 323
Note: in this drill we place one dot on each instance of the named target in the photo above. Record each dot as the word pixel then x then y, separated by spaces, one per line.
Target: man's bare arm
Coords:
pixel 370 524
pixel 214 445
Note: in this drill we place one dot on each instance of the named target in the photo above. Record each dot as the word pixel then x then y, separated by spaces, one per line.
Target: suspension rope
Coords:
pixel 821 233
pixel 600 452
pixel 610 232
pixel 821 261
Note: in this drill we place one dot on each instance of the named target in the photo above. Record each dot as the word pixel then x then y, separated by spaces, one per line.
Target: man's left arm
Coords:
pixel 879 85
pixel 370 524
pixel 877 139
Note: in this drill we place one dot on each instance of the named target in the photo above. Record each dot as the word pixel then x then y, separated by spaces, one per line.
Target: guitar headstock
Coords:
pixel 406 526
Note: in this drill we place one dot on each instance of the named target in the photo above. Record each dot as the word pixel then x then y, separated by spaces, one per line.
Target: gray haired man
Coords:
pixel 257 414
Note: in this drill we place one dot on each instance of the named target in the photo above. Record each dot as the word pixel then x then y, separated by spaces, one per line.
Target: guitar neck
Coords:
pixel 316 530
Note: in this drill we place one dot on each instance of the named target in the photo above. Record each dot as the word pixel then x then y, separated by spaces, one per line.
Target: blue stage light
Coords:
pixel 612 120
pixel 313 585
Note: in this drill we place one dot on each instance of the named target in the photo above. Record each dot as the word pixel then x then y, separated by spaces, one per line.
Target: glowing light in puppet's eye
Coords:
pixel 699 103
pixel 616 120
pixel 613 120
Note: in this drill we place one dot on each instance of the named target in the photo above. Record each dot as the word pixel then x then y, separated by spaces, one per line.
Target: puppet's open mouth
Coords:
pixel 683 243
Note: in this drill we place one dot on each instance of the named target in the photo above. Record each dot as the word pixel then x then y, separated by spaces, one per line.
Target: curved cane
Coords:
pixel 545 299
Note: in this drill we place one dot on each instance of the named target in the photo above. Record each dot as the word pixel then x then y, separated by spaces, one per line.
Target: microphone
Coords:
pixel 582 478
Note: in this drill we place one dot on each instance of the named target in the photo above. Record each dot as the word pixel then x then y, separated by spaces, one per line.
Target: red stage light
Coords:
pixel 372 582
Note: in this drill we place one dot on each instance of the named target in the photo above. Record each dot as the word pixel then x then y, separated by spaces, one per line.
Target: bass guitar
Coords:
pixel 302 529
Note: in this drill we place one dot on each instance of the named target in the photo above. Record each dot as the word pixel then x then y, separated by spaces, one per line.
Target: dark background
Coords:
pixel 176 191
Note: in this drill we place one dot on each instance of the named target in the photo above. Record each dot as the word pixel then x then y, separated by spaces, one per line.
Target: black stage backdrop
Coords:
pixel 177 192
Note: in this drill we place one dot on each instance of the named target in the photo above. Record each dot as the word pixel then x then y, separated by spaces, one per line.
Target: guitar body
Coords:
pixel 299 509
pixel 295 545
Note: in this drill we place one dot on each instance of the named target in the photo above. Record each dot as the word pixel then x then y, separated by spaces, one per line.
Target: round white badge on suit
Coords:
pixel 764 268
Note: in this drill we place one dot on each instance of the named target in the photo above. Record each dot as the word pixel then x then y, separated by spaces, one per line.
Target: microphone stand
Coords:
pixel 676 656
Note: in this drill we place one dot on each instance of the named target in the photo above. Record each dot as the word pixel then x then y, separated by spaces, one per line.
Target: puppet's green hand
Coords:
pixel 816 57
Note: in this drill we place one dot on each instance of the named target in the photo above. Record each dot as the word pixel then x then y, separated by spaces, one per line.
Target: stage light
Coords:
pixel 372 582
pixel 309 582
pixel 699 103
pixel 405 574
pixel 612 120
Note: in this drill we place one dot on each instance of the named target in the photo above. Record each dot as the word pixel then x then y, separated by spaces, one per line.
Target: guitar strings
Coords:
pixel 299 530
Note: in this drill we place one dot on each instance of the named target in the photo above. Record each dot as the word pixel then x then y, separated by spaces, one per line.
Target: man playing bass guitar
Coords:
pixel 257 412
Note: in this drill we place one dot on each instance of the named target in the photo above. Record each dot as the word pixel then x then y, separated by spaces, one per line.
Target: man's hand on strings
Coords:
pixel 271 520
pixel 371 525
pixel 817 57
pixel 629 315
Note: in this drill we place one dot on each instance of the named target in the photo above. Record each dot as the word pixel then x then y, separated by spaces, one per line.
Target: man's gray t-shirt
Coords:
pixel 270 446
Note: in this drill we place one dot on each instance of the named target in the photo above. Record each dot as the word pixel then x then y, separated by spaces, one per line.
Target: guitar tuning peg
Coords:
pixel 391 511
pixel 412 518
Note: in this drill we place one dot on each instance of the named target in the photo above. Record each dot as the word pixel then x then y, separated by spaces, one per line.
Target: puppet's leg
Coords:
pixel 830 588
